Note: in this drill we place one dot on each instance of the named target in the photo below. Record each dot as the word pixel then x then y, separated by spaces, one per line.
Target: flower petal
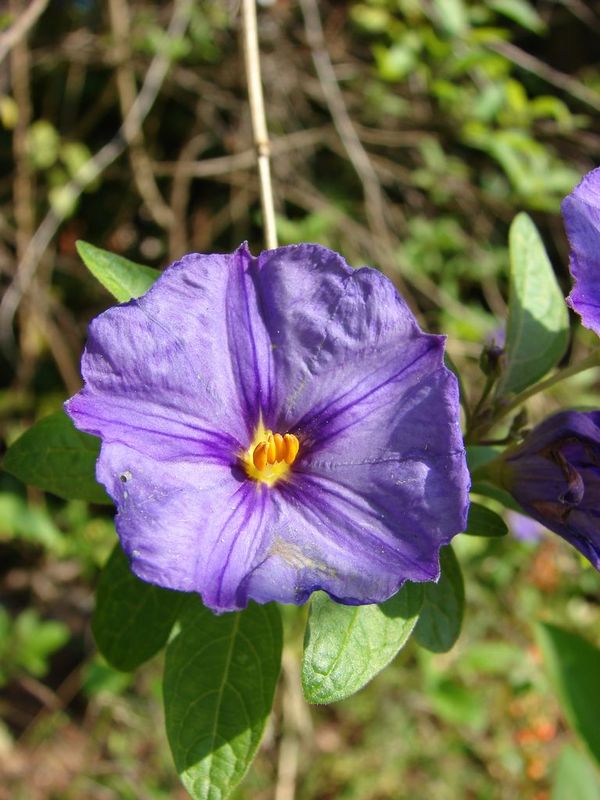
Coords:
pixel 381 482
pixel 337 335
pixel 186 526
pixel 581 213
pixel 376 411
pixel 371 508
pixel 183 370
pixel 357 545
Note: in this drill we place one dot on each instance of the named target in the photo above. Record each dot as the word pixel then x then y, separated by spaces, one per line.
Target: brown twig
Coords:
pixel 23 191
pixel 223 165
pixel 552 76
pixel 21 27
pixel 140 163
pixel 296 727
pixel 180 194
pixel 23 184
pixel 375 203
pixel 259 120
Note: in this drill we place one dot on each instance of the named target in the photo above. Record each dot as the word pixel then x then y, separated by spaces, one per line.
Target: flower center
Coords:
pixel 270 455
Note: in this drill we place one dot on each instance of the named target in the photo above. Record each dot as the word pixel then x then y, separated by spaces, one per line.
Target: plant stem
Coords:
pixel 259 121
pixel 591 361
pixel 489 385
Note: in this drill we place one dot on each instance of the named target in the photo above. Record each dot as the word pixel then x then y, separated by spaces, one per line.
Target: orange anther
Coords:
pixel 279 447
pixel 292 445
pixel 271 449
pixel 259 456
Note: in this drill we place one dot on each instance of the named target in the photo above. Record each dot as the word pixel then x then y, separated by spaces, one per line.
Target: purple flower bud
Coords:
pixel 275 425
pixel 581 213
pixel 555 476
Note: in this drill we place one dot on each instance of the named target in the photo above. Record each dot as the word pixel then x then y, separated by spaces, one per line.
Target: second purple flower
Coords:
pixel 581 214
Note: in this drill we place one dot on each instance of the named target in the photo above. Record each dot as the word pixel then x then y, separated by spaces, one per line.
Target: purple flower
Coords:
pixel 555 476
pixel 188 387
pixel 581 213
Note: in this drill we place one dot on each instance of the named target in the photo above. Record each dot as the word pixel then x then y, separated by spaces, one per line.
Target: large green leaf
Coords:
pixel 485 522
pixel 220 676
pixel 574 667
pixel 537 331
pixel 346 646
pixel 132 620
pixel 124 279
pixel 575 777
pixel 440 620
pixel 53 455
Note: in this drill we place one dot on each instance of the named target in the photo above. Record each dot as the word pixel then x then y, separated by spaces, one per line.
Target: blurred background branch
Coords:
pixel 259 120
pixel 88 172
pixel 24 22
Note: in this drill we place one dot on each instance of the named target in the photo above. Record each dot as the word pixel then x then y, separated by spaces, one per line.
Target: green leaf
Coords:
pixel 537 331
pixel 124 279
pixel 132 620
pixel 53 455
pixel 521 12
pixel 480 460
pixel 20 519
pixel 34 641
pixel 485 522
pixel 452 16
pixel 220 676
pixel 478 455
pixel 457 704
pixel 575 777
pixel 346 646
pixel 574 666
pixel 441 616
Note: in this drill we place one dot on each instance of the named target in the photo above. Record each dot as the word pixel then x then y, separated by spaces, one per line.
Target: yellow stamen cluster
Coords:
pixel 270 455
pixel 274 449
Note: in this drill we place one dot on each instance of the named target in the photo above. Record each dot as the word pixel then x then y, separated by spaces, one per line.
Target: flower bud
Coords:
pixel 555 476
pixel 490 360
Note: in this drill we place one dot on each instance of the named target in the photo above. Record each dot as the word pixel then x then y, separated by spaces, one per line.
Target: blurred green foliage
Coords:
pixel 446 49
pixel 27 642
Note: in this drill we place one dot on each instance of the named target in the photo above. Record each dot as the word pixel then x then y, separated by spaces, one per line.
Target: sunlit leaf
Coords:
pixel 346 646
pixel 537 331
pixel 575 777
pixel 124 279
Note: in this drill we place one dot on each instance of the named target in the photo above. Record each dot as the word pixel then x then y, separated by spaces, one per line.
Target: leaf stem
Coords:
pixel 591 361
pixel 259 122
